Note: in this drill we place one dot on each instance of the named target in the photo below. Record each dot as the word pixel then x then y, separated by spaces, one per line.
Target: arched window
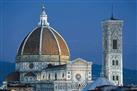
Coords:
pixel 116 62
pixel 55 76
pixel 69 72
pixel 113 62
pixel 105 44
pixel 63 75
pixel 113 78
pixel 49 77
pixel 68 76
pixel 43 76
pixel 117 78
pixel 114 44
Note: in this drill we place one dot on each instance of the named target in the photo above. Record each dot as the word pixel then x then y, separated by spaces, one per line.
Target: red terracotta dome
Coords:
pixel 43 41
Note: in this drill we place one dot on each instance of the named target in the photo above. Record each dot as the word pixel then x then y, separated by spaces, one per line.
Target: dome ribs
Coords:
pixel 49 43
pixel 32 44
pixel 63 46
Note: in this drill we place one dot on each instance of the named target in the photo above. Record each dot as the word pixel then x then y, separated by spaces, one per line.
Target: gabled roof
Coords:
pixel 82 60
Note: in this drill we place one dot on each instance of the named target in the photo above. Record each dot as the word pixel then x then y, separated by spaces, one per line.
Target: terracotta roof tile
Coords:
pixel 14 76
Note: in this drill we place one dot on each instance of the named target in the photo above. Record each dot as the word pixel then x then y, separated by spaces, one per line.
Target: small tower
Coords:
pixel 43 18
pixel 112 50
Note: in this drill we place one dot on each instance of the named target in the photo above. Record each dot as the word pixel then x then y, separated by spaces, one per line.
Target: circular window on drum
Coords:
pixel 31 65
pixel 78 77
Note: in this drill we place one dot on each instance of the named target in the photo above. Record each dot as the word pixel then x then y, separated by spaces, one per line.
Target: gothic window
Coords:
pixel 55 76
pixel 114 44
pixel 68 72
pixel 117 78
pixel 113 62
pixel 68 76
pixel 105 44
pixel 56 87
pixel 49 77
pixel 113 78
pixel 63 75
pixel 31 78
pixel 116 62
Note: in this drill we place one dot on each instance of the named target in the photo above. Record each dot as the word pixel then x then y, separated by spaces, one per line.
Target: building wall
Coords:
pixel 33 69
pixel 77 75
pixel 79 71
pixel 20 88
pixel 35 64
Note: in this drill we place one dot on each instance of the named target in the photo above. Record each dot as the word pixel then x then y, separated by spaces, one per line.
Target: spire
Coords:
pixel 43 17
pixel 43 10
pixel 112 13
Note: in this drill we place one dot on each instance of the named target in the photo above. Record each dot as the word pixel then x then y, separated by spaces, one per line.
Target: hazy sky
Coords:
pixel 78 21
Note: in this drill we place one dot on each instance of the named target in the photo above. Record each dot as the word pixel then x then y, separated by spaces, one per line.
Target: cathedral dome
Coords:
pixel 43 44
pixel 43 41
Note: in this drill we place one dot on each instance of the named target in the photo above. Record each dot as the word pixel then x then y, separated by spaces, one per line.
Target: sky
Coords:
pixel 78 21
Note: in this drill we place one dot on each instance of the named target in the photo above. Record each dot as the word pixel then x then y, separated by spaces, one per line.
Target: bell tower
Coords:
pixel 112 50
